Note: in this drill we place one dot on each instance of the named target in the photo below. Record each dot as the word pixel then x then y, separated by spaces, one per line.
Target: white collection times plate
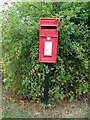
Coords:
pixel 48 48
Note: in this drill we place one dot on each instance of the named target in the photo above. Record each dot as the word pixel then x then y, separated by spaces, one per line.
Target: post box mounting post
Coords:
pixel 46 88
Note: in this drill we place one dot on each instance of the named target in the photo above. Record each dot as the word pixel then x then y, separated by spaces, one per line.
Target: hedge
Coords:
pixel 22 71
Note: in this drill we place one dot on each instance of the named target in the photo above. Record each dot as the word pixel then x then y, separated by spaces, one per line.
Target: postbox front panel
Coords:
pixel 48 41
pixel 48 50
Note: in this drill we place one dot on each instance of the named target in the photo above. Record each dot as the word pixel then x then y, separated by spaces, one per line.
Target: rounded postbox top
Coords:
pixel 49 22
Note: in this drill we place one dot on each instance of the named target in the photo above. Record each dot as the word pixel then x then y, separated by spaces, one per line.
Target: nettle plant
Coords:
pixel 22 71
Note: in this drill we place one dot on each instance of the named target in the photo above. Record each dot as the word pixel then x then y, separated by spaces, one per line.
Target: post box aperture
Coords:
pixel 48 40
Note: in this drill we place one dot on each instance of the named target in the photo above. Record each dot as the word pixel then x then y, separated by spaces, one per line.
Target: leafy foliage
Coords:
pixel 23 72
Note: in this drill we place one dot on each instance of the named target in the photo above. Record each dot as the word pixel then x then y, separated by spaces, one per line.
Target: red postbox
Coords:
pixel 48 40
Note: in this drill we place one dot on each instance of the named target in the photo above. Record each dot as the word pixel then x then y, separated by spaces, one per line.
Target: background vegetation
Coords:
pixel 22 71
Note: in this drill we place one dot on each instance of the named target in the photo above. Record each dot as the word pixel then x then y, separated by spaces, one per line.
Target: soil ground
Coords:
pixel 16 108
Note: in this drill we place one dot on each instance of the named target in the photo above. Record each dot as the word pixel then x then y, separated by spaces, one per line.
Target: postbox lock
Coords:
pixel 48 38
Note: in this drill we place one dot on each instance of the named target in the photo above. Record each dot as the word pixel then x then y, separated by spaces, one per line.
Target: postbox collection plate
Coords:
pixel 48 48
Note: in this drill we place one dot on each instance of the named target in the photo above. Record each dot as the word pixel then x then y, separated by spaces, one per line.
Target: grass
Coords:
pixel 14 108
pixel 11 110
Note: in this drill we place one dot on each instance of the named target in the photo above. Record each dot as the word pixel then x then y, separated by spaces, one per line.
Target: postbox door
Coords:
pixel 48 49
